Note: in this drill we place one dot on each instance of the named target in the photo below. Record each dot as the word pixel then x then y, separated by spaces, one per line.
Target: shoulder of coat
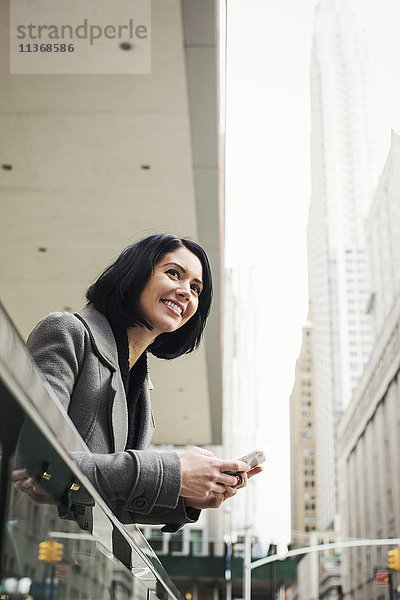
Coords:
pixel 64 320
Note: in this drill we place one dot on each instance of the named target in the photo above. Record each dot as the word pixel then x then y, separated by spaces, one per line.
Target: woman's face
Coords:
pixel 171 295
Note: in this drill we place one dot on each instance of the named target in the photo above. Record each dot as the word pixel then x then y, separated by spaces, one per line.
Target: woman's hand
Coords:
pixel 203 473
pixel 215 499
pixel 27 484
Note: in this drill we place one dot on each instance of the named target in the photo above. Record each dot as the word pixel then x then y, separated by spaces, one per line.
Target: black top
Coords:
pixel 133 380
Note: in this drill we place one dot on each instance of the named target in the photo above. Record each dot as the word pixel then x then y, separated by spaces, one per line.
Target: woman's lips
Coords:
pixel 174 307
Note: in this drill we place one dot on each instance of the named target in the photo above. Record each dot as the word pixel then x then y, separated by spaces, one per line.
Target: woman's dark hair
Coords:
pixel 116 292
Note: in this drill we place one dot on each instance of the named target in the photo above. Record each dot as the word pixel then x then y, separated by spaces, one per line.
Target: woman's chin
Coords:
pixel 166 327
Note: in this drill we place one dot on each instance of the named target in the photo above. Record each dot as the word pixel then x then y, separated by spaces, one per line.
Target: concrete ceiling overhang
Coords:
pixel 100 161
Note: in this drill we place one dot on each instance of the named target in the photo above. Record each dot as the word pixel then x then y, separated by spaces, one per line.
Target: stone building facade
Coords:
pixel 369 433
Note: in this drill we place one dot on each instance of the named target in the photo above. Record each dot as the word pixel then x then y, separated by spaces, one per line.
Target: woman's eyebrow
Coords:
pixel 175 264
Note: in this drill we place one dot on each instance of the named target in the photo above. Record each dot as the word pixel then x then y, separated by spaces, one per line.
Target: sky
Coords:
pixel 268 188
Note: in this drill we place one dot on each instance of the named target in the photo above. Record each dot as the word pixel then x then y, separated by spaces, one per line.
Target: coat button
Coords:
pixel 140 503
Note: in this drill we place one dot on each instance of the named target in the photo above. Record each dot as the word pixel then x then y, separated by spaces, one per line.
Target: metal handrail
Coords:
pixel 22 378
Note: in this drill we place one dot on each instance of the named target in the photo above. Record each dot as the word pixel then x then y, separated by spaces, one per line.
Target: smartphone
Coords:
pixel 253 459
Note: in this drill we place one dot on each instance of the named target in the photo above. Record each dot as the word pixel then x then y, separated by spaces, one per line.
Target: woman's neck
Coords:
pixel 139 338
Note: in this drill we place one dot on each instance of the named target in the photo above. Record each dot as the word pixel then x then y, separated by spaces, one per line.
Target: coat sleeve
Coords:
pixel 145 501
pixel 139 485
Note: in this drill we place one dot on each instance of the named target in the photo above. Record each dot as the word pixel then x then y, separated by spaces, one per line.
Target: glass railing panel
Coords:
pixel 44 555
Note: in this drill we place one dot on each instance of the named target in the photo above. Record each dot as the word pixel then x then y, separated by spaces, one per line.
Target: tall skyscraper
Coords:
pixel 343 180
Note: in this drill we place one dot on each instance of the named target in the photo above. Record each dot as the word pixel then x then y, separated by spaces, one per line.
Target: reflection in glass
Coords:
pixel 42 555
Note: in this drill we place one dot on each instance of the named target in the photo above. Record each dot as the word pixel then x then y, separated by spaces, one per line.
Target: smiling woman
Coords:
pixel 154 298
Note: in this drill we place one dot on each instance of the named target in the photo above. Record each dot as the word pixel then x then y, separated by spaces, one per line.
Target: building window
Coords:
pixel 155 538
pixel 176 543
pixel 196 542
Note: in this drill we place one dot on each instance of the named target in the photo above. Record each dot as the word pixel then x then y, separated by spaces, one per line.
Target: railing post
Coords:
pixel 247 566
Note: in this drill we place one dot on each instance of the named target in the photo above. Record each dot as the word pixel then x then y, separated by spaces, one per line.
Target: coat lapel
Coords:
pixel 104 345
pixel 147 424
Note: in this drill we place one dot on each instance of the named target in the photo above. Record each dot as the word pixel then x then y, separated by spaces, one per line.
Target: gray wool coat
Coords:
pixel 78 356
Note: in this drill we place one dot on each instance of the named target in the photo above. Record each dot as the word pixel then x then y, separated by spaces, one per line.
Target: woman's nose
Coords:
pixel 184 289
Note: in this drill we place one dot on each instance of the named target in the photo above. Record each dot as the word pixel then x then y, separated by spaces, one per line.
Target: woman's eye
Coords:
pixel 196 288
pixel 173 272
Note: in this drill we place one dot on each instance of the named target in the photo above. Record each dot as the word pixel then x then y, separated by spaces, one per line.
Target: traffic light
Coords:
pixel 45 551
pixel 394 559
pixel 50 551
pixel 57 552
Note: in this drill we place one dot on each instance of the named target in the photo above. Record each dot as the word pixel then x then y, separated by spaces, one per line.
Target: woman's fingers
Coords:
pixel 235 470
pixel 228 480
pixel 234 466
pixel 19 474
pixel 25 484
pixel 230 492
pixel 242 481
pixel 246 476
pixel 242 478
pixel 29 486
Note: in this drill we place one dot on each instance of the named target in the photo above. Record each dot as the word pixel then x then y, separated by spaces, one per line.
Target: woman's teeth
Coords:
pixel 173 305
